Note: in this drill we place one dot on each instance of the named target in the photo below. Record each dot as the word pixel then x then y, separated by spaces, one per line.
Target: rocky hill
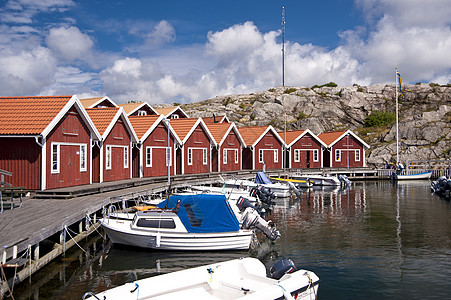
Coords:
pixel 424 115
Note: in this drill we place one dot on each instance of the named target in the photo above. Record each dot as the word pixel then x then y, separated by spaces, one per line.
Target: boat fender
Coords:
pixel 281 268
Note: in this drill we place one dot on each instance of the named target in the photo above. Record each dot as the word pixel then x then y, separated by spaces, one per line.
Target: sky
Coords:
pixel 187 51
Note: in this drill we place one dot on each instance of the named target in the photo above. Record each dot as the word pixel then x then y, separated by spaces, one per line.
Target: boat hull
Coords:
pixel 424 175
pixel 236 279
pixel 119 232
pixel 320 180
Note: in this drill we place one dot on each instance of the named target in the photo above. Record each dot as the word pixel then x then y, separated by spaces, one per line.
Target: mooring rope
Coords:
pixel 67 230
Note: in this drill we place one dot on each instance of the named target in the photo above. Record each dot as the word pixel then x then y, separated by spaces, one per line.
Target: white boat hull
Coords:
pixel 280 190
pixel 236 279
pixel 320 180
pixel 425 175
pixel 120 233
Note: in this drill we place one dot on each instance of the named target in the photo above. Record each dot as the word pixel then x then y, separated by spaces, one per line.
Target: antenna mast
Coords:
pixel 283 46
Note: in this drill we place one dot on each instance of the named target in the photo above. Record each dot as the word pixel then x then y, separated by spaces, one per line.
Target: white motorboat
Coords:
pixel 279 189
pixel 323 180
pixel 413 176
pixel 231 193
pixel 243 278
pixel 189 222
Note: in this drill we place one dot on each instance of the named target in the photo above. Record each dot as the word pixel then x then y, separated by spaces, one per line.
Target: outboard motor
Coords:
pixel 263 194
pixel 252 219
pixel 244 203
pixel 281 268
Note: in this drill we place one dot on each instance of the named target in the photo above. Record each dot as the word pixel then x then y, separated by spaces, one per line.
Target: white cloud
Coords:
pixel 23 11
pixel 69 43
pixel 162 33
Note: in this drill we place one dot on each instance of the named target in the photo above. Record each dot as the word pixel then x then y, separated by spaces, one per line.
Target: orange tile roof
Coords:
pixel 182 126
pixel 87 102
pixel 165 110
pixel 102 117
pixel 330 137
pixel 291 135
pixel 129 107
pixel 218 130
pixel 252 133
pixel 29 115
pixel 141 124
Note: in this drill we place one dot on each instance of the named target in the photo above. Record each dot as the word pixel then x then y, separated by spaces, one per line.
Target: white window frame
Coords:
pixel 148 157
pixel 297 155
pixel 260 155
pixel 55 158
pixel 315 155
pixel 142 113
pixel 357 155
pixel 276 155
pixel 174 116
pixel 224 156
pixel 83 158
pixel 108 152
pixel 126 157
pixel 236 156
pixel 190 156
pixel 204 156
pixel 337 155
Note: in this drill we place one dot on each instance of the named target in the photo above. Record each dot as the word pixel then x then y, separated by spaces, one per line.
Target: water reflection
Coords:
pixel 377 239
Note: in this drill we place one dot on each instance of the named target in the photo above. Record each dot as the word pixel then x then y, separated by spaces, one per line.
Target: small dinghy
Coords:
pixel 243 278
pixel 197 222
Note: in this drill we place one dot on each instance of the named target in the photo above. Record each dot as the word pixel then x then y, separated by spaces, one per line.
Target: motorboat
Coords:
pixel 231 193
pixel 412 176
pixel 298 183
pixel 323 180
pixel 189 222
pixel 244 278
pixel 279 189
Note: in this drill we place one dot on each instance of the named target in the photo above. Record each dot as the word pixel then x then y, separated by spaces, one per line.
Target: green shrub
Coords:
pixel 242 105
pixel 301 116
pixel 290 90
pixel 432 84
pixel 226 101
pixel 272 90
pixel 330 84
pixel 379 119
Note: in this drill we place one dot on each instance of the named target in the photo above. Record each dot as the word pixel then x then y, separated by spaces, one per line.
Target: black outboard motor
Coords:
pixel 281 268
pixel 263 194
pixel 244 203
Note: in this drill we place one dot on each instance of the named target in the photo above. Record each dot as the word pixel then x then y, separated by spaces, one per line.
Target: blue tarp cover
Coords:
pixel 262 178
pixel 204 213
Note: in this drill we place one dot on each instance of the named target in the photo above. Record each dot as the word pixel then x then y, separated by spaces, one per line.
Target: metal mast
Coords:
pixel 283 46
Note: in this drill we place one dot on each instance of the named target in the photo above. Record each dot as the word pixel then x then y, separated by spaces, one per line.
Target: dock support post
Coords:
pixel 4 257
pixel 14 252
pixel 36 252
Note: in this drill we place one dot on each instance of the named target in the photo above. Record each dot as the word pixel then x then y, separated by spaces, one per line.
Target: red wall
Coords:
pixel 22 157
pixel 158 139
pixel 268 142
pixel 198 139
pixel 118 136
pixel 347 145
pixel 231 142
pixel 305 143
pixel 72 130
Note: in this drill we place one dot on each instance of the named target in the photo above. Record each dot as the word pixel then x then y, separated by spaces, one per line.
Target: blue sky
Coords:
pixel 185 51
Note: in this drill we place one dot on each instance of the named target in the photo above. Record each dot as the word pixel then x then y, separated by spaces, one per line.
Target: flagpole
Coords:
pixel 283 46
pixel 397 130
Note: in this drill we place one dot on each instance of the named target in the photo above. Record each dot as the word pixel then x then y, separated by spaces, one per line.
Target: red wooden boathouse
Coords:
pixel 151 157
pixel 112 156
pixel 172 112
pixel 226 156
pixel 46 141
pixel 304 149
pixel 98 102
pixel 263 147
pixel 138 109
pixel 344 149
pixel 193 156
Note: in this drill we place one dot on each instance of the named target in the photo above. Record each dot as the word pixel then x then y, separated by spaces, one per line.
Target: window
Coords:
pixel 108 158
pixel 297 155
pixel 168 157
pixel 148 157
pixel 224 156
pixel 83 158
pixel 276 155
pixel 190 156
pixel 174 116
pixel 236 156
pixel 142 113
pixel 315 155
pixel 125 157
pixel 337 155
pixel 55 158
pixel 204 154
pixel 260 156
pixel 357 155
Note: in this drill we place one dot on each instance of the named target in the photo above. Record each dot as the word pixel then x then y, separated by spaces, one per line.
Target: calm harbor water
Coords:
pixel 375 240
